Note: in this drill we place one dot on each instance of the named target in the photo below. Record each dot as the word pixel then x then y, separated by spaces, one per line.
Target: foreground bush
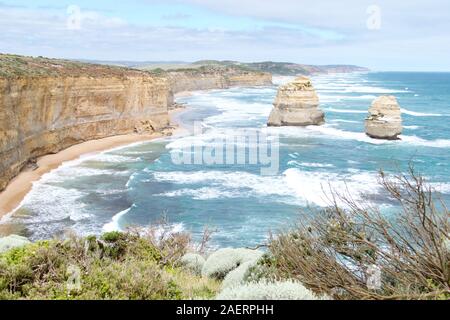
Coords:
pixel 238 275
pixel 265 290
pixel 193 262
pixel 221 262
pixel 12 241
pixel 115 266
pixel 359 253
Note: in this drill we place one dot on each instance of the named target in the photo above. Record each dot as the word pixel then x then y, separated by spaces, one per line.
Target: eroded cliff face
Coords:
pixel 196 80
pixel 47 105
pixel 385 119
pixel 43 115
pixel 296 104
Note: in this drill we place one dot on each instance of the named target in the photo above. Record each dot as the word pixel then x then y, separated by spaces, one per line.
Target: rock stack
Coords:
pixel 385 119
pixel 296 104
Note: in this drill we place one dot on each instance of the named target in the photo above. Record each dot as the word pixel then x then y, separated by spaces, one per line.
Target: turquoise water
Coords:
pixel 138 184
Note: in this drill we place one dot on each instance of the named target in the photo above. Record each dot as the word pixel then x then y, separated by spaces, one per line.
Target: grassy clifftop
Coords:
pixel 205 69
pixel 285 68
pixel 13 66
pixel 273 67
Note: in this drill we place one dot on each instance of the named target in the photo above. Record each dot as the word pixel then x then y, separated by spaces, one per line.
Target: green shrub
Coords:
pixel 23 268
pixel 129 279
pixel 112 236
pixel 115 266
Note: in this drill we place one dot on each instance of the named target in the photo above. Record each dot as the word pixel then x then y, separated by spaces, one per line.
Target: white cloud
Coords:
pixel 412 35
pixel 100 34
pixel 338 15
pixel 95 19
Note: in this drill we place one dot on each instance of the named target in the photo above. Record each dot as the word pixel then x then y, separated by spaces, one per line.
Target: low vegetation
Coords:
pixel 282 68
pixel 14 66
pixel 115 266
pixel 348 251
pixel 356 252
pixel 221 262
pixel 193 262
pixel 207 70
pixel 268 290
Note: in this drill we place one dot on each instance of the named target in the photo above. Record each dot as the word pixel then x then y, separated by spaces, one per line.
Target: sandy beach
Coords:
pixel 17 189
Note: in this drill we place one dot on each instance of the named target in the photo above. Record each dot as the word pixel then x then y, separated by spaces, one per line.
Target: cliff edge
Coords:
pixel 215 77
pixel 48 105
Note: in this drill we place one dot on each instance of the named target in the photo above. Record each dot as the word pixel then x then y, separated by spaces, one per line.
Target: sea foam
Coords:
pixel 421 114
pixel 318 187
pixel 114 224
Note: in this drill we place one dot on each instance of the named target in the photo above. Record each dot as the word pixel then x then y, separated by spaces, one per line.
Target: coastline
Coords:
pixel 18 188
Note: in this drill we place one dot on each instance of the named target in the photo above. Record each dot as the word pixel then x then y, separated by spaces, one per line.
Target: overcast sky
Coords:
pixel 379 34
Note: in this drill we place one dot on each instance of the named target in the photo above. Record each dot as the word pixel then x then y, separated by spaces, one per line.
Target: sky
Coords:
pixel 411 35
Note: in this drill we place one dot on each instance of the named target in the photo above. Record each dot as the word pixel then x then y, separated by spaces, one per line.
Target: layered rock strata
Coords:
pixel 296 104
pixel 384 120
pixel 216 78
pixel 47 105
pixel 40 116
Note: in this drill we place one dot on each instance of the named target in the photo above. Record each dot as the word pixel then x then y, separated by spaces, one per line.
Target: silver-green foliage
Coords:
pixel 264 269
pixel 193 262
pixel 237 276
pixel 12 241
pixel 266 290
pixel 221 262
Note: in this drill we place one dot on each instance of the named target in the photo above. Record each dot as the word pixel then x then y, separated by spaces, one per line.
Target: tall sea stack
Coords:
pixel 296 104
pixel 385 119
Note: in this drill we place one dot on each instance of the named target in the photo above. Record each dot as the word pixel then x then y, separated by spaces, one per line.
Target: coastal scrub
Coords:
pixel 356 252
pixel 114 266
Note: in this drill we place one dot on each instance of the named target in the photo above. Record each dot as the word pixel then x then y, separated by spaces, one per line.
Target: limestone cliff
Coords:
pixel 296 104
pixel 47 105
pixel 205 78
pixel 39 116
pixel 384 120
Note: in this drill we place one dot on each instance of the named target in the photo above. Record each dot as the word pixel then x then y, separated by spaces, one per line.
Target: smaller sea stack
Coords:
pixel 296 104
pixel 385 119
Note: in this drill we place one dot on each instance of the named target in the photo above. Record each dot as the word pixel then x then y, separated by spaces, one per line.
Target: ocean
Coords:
pixel 139 184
